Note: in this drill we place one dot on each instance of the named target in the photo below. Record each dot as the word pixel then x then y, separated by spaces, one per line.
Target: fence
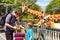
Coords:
pixel 52 35
pixel 46 34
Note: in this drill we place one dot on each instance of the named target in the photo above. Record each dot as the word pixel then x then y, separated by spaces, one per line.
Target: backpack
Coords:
pixel 2 20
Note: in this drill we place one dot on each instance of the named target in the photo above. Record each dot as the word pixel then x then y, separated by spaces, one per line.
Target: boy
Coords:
pixel 29 35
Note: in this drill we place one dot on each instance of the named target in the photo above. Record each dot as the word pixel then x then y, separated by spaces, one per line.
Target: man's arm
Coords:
pixel 8 25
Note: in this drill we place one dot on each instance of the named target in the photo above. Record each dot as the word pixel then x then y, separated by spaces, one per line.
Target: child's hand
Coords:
pixel 31 38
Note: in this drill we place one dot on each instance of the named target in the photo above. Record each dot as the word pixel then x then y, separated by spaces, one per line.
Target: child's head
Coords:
pixel 30 24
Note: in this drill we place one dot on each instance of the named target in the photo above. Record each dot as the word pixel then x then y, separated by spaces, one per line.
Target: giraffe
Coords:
pixel 52 18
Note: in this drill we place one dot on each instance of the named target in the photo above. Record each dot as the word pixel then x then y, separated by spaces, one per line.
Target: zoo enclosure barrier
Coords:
pixel 46 34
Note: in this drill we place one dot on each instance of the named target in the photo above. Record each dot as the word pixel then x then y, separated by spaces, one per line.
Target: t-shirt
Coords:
pixel 29 34
pixel 10 19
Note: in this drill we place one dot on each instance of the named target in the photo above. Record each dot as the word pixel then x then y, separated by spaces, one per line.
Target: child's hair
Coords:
pixel 30 24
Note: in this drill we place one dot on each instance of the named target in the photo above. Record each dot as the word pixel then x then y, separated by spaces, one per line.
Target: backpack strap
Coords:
pixel 11 17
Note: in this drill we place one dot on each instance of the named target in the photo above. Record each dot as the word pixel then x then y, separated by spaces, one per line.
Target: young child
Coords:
pixel 29 34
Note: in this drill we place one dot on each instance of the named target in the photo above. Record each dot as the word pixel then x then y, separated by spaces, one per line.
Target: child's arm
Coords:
pixel 30 37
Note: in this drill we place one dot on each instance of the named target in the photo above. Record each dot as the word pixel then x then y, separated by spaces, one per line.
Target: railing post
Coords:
pixel 53 35
pixel 46 34
pixel 58 35
pixel 49 35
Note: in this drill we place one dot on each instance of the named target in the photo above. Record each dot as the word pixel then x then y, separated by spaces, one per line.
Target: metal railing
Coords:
pixel 46 34
pixel 52 35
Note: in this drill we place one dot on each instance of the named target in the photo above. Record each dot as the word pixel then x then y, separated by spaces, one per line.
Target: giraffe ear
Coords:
pixel 24 7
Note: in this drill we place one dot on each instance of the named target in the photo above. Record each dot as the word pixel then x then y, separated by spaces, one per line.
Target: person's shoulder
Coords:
pixel 9 15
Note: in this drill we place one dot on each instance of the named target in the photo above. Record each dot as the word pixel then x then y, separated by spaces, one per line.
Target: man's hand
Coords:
pixel 16 28
pixel 21 27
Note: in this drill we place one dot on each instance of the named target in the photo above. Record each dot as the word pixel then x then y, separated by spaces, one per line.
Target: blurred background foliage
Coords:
pixel 53 7
pixel 17 4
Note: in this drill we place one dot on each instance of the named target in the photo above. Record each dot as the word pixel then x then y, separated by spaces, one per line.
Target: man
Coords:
pixel 10 22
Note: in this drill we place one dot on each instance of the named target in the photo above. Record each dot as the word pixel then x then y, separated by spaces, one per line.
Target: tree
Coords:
pixel 8 1
pixel 53 7
pixel 30 3
pixel 0 1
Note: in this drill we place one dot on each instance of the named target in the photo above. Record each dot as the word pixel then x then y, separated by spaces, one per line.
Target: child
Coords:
pixel 29 35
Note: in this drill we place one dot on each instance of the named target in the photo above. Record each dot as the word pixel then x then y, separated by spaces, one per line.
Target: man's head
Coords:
pixel 17 12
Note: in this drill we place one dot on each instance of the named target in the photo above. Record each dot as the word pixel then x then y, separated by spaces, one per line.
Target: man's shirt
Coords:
pixel 10 19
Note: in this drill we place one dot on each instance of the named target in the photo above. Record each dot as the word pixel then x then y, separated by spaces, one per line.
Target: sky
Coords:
pixel 43 3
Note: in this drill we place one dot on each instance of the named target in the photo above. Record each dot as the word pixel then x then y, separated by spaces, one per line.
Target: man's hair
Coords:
pixel 17 12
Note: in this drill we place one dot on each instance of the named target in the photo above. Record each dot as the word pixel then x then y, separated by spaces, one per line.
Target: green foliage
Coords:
pixel 53 7
pixel 8 1
pixel 36 7
pixel 30 3
pixel 0 1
